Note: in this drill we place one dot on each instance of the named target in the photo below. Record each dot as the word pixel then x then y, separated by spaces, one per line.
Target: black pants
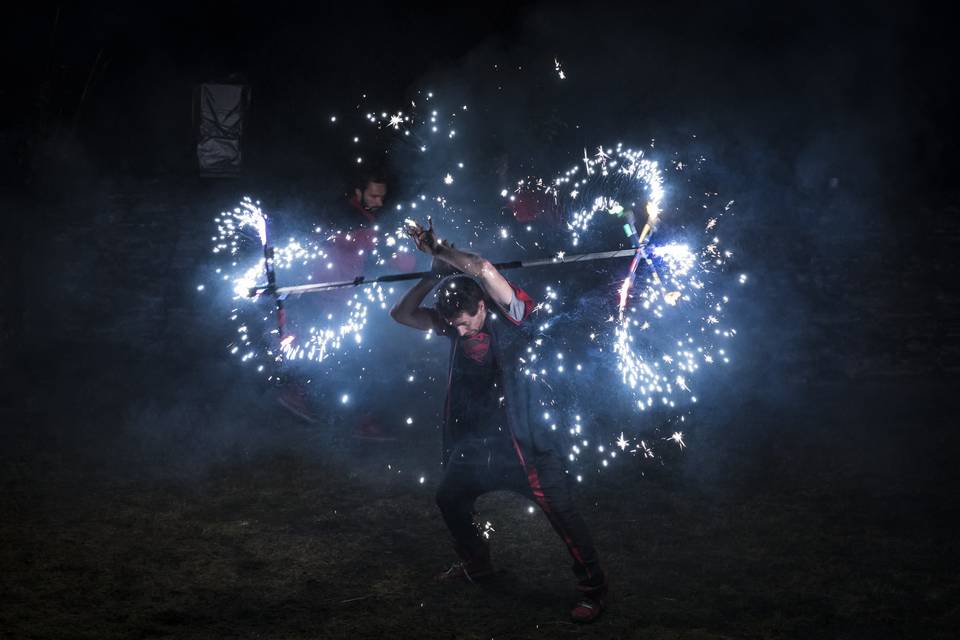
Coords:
pixel 480 466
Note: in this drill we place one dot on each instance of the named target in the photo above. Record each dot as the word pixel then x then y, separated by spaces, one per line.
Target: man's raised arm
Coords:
pixel 472 264
pixel 480 268
pixel 408 310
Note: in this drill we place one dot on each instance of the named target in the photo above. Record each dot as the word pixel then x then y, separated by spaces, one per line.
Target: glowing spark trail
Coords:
pixel 672 324
pixel 671 321
pixel 309 342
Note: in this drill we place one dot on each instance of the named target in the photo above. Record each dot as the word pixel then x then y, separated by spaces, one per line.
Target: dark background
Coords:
pixel 153 490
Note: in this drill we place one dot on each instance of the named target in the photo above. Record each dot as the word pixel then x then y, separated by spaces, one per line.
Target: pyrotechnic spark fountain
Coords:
pixel 317 252
pixel 669 319
pixel 669 322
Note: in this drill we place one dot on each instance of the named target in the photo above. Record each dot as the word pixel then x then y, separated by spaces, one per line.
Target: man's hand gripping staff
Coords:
pixel 471 264
pixel 447 260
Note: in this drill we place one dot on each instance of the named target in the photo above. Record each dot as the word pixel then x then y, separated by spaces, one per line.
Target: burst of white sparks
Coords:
pixel 619 183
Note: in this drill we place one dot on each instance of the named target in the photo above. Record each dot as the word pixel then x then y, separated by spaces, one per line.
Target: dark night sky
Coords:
pixel 878 76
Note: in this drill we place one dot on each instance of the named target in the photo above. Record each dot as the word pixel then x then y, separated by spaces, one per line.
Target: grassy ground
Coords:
pixel 298 545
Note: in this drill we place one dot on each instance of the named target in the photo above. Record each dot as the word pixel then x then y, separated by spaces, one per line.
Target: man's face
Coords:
pixel 468 325
pixel 371 198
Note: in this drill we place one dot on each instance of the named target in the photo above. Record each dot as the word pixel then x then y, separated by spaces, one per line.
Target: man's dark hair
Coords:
pixel 457 294
pixel 362 177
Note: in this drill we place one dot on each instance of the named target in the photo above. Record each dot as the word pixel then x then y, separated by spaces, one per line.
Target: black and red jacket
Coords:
pixel 522 394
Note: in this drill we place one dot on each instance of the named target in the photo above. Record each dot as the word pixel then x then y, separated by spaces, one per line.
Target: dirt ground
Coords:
pixel 298 543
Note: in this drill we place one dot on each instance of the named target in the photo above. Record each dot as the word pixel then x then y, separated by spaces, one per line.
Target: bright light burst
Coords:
pixel 242 235
pixel 670 319
pixel 324 254
pixel 559 69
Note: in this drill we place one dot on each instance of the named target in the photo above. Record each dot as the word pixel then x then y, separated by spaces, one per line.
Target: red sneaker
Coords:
pixel 592 602
pixel 587 608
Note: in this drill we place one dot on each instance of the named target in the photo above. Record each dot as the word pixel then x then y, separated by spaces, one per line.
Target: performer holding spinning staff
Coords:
pixel 490 441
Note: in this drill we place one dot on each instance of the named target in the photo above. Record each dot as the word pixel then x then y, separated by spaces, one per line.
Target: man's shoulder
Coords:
pixel 520 307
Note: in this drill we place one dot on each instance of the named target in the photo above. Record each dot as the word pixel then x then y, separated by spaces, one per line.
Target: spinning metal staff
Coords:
pixel 638 253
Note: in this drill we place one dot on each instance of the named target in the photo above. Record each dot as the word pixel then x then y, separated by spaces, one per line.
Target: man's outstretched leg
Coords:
pixel 550 488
